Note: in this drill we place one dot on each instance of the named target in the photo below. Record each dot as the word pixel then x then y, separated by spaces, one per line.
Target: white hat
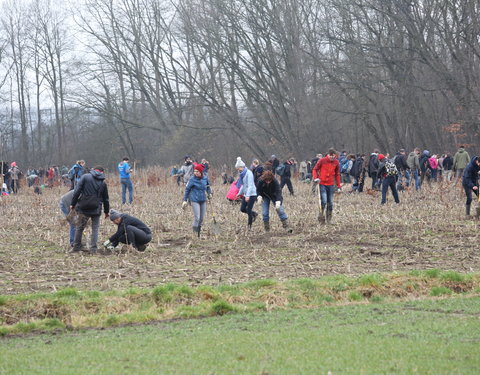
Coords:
pixel 239 163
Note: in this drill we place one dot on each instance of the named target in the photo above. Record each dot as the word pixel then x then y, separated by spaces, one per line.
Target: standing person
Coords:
pixel 14 177
pixel 76 172
pixel 130 231
pixel 246 186
pixel 447 167
pixel 433 162
pixel 425 169
pixel 400 160
pixel 286 177
pixel 413 162
pixel 197 192
pixel 460 161
pixel 325 173
pixel 269 189
pixel 303 170
pixel 50 176
pixel 373 167
pixel 206 167
pixel 356 172
pixel 90 192
pixel 186 170
pixel 173 173
pixel 388 173
pixel 126 180
pixel 470 181
pixel 65 203
pixel 275 163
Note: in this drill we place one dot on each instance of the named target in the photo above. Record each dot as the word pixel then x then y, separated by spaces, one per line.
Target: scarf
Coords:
pixel 240 178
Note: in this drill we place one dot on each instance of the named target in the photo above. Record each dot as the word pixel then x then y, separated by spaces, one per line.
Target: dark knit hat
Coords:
pixel 114 214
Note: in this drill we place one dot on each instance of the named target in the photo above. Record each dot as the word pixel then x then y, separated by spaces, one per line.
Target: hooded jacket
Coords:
pixel 92 184
pixel 461 159
pixel 413 161
pixel 470 174
pixel 328 171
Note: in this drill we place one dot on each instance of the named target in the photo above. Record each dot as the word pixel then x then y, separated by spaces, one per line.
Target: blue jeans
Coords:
pixel 266 210
pixel 389 181
pixel 416 177
pixel 72 226
pixel 326 196
pixel 127 184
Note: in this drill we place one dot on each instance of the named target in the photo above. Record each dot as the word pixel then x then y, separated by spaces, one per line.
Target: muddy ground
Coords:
pixel 427 230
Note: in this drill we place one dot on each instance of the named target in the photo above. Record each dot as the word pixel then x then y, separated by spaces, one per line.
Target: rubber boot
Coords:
pixel 286 226
pixel 329 217
pixel 198 231
pixel 195 232
pixel 321 216
pixel 266 225
pixel 467 209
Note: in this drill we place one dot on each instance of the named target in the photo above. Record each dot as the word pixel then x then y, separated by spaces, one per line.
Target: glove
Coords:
pixel 184 205
pixel 278 204
pixel 209 196
pixel 110 247
pixel 259 199
pixel 106 243
pixel 317 180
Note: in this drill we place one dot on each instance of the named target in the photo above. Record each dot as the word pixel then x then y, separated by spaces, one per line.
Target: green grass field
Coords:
pixel 438 336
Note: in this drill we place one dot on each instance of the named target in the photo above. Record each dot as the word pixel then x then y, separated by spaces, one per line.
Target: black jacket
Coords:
pixel 271 191
pixel 470 174
pixel 122 227
pixel 92 184
pixel 447 163
pixel 401 162
pixel 373 165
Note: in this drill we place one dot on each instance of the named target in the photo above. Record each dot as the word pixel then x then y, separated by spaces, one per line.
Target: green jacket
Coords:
pixel 461 159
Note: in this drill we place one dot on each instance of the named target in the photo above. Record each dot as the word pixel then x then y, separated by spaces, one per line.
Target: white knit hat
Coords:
pixel 239 163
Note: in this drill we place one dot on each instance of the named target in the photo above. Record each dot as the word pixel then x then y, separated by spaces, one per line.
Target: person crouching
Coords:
pixel 131 231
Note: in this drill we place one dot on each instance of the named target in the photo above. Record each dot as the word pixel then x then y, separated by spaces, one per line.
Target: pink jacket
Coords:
pixel 433 162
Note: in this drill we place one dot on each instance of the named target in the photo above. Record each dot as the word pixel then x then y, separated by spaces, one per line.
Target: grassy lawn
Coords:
pixel 440 336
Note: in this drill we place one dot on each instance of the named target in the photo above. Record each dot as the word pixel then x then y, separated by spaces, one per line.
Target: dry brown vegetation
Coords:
pixel 427 230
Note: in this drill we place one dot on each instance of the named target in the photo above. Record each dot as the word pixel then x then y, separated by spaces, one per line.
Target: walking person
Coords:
pixel 269 189
pixel 197 191
pixel 89 195
pixel 65 203
pixel 246 186
pixel 126 180
pixel 447 167
pixel 186 170
pixel 286 176
pixel 130 231
pixel 388 173
pixel 373 168
pixel 470 181
pixel 325 173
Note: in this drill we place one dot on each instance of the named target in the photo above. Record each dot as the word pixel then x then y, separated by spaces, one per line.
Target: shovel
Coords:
pixel 215 225
pixel 478 207
pixel 321 215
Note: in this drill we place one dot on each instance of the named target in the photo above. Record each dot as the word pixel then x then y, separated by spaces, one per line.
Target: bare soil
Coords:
pixel 428 229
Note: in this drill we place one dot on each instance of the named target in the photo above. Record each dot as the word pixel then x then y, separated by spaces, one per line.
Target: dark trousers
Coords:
pixel 468 192
pixel 374 180
pixel 247 207
pixel 389 181
pixel 134 236
pixel 286 181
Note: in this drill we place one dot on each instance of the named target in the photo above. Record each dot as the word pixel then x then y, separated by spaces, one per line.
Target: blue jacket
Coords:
pixel 124 169
pixel 248 187
pixel 197 189
pixel 470 174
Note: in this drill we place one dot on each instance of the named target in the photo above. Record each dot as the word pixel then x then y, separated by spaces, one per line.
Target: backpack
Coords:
pixel 344 165
pixel 280 169
pixel 391 168
pixel 356 168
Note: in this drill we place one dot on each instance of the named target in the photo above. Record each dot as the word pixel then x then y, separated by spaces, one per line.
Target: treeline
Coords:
pixel 158 79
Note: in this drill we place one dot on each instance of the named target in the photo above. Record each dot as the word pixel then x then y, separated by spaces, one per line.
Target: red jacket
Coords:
pixel 326 170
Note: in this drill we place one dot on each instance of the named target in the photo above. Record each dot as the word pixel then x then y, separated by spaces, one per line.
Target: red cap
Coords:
pixel 199 167
pixel 381 156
